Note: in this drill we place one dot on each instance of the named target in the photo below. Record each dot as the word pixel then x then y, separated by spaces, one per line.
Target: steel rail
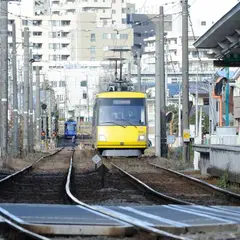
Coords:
pixel 28 167
pixel 199 181
pixel 126 219
pixel 11 221
pixel 151 190
pixel 18 227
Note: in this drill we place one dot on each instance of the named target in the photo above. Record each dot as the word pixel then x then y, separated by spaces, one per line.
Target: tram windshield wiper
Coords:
pixel 129 122
pixel 116 124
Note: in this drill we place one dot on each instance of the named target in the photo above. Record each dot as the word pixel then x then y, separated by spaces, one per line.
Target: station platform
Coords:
pixel 78 220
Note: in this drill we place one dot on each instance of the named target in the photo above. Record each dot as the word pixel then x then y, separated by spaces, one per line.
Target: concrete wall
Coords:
pixel 216 159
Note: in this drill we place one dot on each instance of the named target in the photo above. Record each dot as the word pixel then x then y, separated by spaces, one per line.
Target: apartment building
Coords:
pixel 92 43
pixel 111 13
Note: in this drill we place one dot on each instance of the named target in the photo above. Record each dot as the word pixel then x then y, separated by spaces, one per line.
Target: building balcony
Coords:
pixel 92 4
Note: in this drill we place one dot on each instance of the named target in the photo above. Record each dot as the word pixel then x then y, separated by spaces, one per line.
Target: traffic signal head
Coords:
pixel 219 85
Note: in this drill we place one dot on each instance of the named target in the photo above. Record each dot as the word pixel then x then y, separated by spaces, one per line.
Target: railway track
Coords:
pixel 176 187
pixel 153 190
pixel 27 179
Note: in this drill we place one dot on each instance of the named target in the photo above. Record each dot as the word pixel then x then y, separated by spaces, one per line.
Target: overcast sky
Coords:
pixel 210 9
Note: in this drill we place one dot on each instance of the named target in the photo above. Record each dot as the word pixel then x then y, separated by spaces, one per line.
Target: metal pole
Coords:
pixel 157 94
pixel 15 92
pixel 162 86
pixel 179 116
pixel 26 84
pixel 129 70
pixel 116 70
pixel 120 66
pixel 196 108
pixel 38 110
pixel 4 77
pixel 185 81
pixel 139 70
pixel 31 138
pixel 87 100
pixel 50 114
pixel 227 97
pixel 166 68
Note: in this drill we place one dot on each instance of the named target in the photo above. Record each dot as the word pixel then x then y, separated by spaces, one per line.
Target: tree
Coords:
pixel 205 121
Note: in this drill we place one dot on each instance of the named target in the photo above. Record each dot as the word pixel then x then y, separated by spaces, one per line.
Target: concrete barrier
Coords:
pixel 216 159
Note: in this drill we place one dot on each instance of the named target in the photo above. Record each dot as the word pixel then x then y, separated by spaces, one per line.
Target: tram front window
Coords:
pixel 122 111
pixel 71 127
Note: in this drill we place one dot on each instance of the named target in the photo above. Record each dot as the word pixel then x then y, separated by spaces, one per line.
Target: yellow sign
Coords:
pixel 186 135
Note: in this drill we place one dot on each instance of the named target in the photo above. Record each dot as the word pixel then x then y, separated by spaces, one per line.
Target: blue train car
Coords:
pixel 70 128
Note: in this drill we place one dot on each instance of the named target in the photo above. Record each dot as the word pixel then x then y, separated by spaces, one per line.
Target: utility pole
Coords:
pixel 25 90
pixel 157 94
pixel 166 67
pixel 162 86
pixel 139 69
pixel 87 98
pixel 15 92
pixel 196 108
pixel 160 108
pixel 185 82
pixel 31 138
pixel 38 110
pixel 49 113
pixel 129 70
pixel 179 115
pixel 4 77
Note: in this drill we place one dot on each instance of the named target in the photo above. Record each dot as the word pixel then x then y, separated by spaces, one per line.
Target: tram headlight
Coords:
pixel 101 138
pixel 141 138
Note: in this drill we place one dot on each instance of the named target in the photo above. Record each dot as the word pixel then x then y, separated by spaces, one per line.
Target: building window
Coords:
pixel 105 36
pixel 62 84
pixel 37 45
pixel 60 98
pixel 92 49
pixel 83 83
pixel 92 59
pixel 113 11
pixel 114 36
pixel 123 36
pixel 25 22
pixel 104 22
pixel 37 33
pixel 113 1
pixel 122 1
pixel 37 57
pixel 54 46
pixel 124 21
pixel 64 57
pixel 65 22
pixel 84 96
pixel 203 23
pixel 124 10
pixel 93 37
pixel 54 83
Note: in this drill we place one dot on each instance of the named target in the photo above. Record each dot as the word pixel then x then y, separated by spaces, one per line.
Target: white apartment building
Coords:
pixel 200 66
pixel 110 13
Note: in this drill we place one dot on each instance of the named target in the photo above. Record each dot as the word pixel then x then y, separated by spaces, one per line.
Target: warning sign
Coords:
pixel 186 135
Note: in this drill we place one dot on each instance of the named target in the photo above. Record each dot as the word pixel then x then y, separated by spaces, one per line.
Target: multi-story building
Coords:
pixel 144 26
pixel 111 13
